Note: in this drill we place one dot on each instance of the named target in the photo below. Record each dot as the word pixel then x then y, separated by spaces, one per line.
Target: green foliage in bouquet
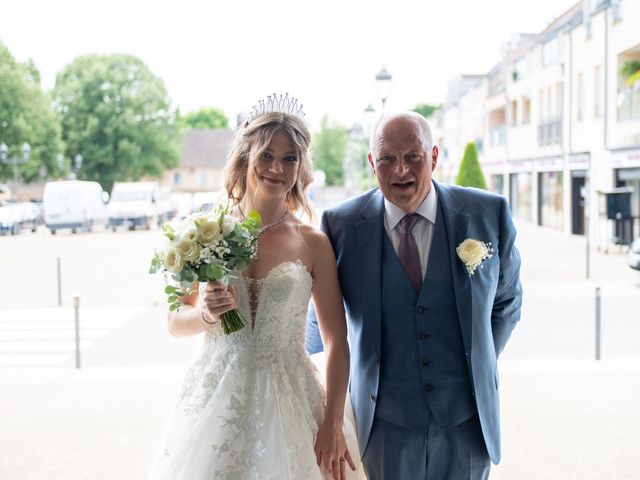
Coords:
pixel 204 247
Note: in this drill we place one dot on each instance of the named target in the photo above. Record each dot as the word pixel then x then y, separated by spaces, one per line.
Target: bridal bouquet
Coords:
pixel 207 246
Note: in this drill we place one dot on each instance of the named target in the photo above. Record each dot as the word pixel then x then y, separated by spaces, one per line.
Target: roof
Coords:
pixel 206 147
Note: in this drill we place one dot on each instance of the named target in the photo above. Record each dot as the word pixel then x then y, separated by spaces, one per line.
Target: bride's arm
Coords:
pixel 191 319
pixel 331 445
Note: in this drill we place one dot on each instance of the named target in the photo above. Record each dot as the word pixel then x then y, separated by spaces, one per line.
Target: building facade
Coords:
pixel 201 167
pixel 556 123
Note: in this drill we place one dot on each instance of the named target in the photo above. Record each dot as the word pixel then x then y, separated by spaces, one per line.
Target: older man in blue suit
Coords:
pixel 430 280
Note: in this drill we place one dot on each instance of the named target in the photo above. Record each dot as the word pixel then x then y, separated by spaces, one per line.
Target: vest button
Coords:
pixel 373 398
pixel 426 362
pixel 421 309
pixel 424 335
pixel 428 387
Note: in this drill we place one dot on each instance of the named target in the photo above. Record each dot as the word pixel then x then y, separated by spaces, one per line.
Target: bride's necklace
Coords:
pixel 277 221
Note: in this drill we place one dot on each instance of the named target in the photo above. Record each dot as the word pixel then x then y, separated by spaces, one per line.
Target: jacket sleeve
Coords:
pixel 508 299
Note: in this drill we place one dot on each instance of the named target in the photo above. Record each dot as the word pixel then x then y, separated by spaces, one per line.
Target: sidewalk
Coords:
pixel 564 415
pixel 560 420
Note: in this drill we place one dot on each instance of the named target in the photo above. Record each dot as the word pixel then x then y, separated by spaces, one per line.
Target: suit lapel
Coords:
pixel 369 238
pixel 456 223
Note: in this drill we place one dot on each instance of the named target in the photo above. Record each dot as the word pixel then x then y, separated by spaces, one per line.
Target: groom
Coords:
pixel 425 327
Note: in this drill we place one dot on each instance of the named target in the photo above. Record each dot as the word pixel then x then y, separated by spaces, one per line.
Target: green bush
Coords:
pixel 470 173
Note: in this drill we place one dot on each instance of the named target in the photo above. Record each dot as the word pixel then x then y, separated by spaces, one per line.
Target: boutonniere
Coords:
pixel 473 253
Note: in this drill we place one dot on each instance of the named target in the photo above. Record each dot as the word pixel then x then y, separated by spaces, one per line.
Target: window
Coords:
pixel 550 51
pixel 559 100
pixel 542 113
pixel 598 91
pixel 580 97
pixel 526 110
pixel 513 113
pixel 518 69
pixel 202 179
pixel 177 178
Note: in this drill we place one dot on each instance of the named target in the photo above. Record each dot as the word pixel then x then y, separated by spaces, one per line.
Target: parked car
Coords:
pixel 9 218
pixel 634 254
pixel 74 204
pixel 14 217
pixel 138 204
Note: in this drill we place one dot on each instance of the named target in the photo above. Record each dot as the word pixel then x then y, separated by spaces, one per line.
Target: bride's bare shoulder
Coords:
pixel 315 240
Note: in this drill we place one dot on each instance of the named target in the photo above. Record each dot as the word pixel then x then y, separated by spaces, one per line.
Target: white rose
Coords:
pixel 472 253
pixel 209 232
pixel 172 260
pixel 190 233
pixel 228 224
pixel 187 249
pixel 161 250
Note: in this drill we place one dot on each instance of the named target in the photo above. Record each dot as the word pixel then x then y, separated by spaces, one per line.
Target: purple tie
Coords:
pixel 408 251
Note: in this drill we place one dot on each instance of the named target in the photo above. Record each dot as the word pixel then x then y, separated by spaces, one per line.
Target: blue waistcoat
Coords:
pixel 423 369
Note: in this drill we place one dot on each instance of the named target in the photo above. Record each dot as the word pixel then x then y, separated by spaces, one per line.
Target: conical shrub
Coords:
pixel 470 173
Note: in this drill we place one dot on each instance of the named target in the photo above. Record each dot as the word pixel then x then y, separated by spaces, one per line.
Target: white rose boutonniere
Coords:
pixel 473 253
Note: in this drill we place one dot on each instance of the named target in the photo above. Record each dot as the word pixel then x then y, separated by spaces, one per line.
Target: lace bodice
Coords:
pixel 275 314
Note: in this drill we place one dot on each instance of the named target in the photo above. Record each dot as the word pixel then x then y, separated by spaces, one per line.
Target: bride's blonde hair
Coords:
pixel 258 134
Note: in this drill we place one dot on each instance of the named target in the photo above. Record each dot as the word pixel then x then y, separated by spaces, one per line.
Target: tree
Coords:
pixel 26 116
pixel 205 118
pixel 328 150
pixel 117 115
pixel 470 173
pixel 426 109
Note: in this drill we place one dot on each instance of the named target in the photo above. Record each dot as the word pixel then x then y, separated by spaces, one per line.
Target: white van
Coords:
pixel 74 204
pixel 135 204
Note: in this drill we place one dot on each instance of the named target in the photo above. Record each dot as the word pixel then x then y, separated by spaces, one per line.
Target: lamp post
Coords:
pixel 4 152
pixel 369 118
pixel 77 164
pixel 383 85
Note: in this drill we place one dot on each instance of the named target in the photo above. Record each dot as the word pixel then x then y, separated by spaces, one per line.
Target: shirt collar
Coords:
pixel 427 209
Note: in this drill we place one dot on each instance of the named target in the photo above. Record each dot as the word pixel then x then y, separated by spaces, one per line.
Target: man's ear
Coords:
pixel 434 157
pixel 373 165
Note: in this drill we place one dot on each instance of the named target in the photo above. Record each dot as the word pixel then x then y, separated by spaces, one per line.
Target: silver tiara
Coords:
pixel 275 103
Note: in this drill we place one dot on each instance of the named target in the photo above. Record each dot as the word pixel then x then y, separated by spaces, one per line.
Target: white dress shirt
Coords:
pixel 422 231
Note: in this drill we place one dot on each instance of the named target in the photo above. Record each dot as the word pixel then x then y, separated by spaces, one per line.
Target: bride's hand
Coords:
pixel 218 299
pixel 332 453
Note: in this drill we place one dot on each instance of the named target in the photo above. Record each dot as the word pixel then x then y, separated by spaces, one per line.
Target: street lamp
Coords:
pixel 77 161
pixel 60 162
pixel 383 85
pixel 4 152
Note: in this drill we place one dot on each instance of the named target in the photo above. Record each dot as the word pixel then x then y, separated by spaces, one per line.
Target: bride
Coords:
pixel 252 405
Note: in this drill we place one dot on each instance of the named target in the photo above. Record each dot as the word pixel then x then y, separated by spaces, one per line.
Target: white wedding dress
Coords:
pixel 252 401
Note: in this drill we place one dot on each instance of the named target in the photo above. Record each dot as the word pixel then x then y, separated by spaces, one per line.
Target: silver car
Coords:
pixel 634 254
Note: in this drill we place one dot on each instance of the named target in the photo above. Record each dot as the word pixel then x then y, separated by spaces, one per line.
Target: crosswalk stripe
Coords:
pixel 61 334
pixel 46 336
pixel 84 325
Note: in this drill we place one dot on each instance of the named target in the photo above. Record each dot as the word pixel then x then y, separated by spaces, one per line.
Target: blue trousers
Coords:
pixel 398 453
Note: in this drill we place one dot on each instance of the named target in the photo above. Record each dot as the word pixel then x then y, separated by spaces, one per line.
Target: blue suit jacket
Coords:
pixel 488 302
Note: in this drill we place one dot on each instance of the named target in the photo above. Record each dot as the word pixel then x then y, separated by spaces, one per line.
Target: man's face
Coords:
pixel 402 165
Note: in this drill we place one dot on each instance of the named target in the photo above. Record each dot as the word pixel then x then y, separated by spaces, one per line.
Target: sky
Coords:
pixel 229 54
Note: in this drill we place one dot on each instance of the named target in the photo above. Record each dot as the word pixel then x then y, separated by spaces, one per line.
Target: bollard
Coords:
pixel 76 307
pixel 59 283
pixel 598 322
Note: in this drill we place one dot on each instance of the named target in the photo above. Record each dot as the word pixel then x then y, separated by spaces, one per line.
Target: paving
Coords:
pixel 565 415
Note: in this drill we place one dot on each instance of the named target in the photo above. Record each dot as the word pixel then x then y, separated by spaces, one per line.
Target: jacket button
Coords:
pixel 426 362
pixel 428 387
pixel 421 309
pixel 373 398
pixel 424 335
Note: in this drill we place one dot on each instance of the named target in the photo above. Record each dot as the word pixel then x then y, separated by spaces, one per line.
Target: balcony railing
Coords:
pixel 629 103
pixel 550 132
